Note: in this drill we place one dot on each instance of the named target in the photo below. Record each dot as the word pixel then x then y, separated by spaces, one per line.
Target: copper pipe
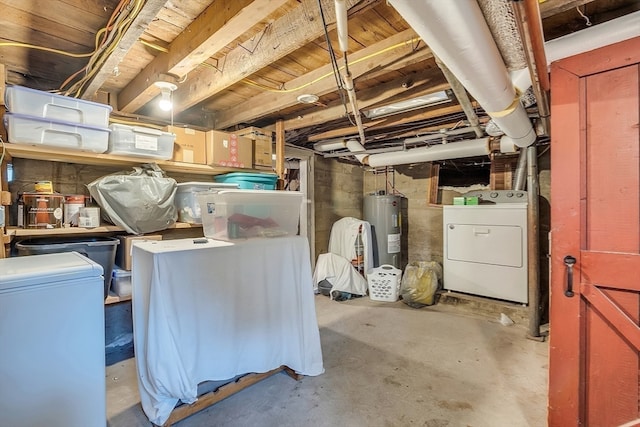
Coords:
pixel 528 18
pixel 534 24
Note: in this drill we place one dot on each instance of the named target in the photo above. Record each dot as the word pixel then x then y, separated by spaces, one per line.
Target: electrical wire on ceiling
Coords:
pixel 46 49
pixel 106 40
pixel 112 34
pixel 332 73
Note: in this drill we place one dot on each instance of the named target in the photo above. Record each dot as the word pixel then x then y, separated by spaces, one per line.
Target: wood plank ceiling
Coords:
pixel 244 62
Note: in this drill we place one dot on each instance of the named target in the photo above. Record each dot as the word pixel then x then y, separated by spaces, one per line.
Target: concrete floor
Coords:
pixel 386 364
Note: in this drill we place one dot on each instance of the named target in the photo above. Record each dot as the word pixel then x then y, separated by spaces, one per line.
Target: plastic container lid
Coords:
pixel 204 186
pixel 259 177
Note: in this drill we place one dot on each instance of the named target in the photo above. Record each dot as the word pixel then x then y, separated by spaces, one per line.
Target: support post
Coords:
pixel 280 153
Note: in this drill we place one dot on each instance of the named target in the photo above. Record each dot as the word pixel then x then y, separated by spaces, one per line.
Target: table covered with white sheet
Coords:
pixel 212 311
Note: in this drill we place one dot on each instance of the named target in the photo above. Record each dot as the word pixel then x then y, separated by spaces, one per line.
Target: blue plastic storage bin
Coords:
pixel 249 181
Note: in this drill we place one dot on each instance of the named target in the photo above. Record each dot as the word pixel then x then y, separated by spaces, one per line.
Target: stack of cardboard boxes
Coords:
pixel 249 148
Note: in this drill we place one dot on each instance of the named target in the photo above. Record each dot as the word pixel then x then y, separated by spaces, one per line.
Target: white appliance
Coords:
pixel 52 354
pixel 485 246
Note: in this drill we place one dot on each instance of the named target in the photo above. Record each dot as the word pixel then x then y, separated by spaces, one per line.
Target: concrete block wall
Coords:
pixel 424 221
pixel 337 194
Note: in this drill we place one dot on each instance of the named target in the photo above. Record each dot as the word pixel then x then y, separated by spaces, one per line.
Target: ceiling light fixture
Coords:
pixel 428 100
pixel 308 98
pixel 166 90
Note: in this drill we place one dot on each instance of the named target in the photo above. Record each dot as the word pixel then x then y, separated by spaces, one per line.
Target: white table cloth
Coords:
pixel 212 311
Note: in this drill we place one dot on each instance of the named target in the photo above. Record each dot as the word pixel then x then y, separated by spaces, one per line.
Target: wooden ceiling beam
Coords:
pixel 398 48
pixel 553 7
pixel 378 95
pixel 285 35
pixel 219 25
pixel 387 123
pixel 140 22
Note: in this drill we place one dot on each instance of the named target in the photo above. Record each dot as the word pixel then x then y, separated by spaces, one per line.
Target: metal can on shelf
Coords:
pixel 43 210
pixel 72 205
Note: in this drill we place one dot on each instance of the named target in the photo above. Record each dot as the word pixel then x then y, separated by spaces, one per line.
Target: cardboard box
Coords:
pixel 229 149
pixel 189 146
pixel 262 145
pixel 255 133
pixel 123 252
pixel 262 152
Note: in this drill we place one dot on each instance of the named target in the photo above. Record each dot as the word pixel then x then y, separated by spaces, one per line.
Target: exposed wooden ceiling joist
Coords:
pixel 387 123
pixel 370 97
pixel 149 10
pixel 320 81
pixel 220 24
pixel 288 33
pixel 553 7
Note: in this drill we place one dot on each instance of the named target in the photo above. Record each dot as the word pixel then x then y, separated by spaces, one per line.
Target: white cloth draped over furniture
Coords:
pixel 212 311
pixel 336 266
pixel 343 238
pixel 340 273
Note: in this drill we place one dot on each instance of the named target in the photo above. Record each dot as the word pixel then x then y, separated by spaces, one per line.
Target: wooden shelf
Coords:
pixel 114 299
pixel 35 232
pixel 68 156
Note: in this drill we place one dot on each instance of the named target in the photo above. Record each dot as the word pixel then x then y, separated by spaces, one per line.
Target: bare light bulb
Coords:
pixel 166 89
pixel 165 103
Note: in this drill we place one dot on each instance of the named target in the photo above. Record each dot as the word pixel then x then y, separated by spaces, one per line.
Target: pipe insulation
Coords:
pixel 330 145
pixel 454 150
pixel 341 25
pixel 354 146
pixel 457 33
pixel 610 32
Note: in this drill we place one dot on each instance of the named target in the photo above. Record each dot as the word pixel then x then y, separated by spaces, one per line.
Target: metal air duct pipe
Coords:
pixel 457 33
pixel 610 32
pixel 521 171
pixel 453 150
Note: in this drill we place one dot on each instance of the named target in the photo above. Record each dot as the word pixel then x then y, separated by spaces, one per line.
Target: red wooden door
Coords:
pixel 595 215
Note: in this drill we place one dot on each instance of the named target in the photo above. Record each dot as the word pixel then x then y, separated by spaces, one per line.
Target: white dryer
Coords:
pixel 485 246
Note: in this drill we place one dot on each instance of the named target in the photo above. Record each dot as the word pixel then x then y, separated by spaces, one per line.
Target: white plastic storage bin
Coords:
pixel 45 105
pixel 121 282
pixel 384 283
pixel 33 131
pixel 140 141
pixel 239 214
pixel 187 203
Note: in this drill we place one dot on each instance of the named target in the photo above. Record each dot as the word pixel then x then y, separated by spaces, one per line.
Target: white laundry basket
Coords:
pixel 384 283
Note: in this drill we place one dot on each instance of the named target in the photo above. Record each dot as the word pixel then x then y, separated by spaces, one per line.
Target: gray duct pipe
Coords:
pixel 521 171
pixel 533 244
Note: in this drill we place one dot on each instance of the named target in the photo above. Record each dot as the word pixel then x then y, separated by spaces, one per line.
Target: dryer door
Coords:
pixel 485 244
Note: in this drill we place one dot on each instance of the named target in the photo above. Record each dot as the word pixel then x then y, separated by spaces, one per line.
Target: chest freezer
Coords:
pixel 52 354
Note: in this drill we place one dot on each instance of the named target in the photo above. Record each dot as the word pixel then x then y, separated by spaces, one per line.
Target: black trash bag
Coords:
pixel 141 201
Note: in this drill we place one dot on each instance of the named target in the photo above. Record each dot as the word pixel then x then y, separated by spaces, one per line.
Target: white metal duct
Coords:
pixel 457 33
pixel 453 150
pixel 610 32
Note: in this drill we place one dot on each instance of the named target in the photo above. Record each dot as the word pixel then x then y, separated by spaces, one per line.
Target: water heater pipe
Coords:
pixel 457 33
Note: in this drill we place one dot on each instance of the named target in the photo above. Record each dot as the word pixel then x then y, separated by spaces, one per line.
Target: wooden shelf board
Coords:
pixel 70 156
pixel 113 299
pixel 34 232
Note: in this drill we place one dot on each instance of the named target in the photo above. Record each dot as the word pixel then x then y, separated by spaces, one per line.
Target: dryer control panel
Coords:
pixel 499 196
